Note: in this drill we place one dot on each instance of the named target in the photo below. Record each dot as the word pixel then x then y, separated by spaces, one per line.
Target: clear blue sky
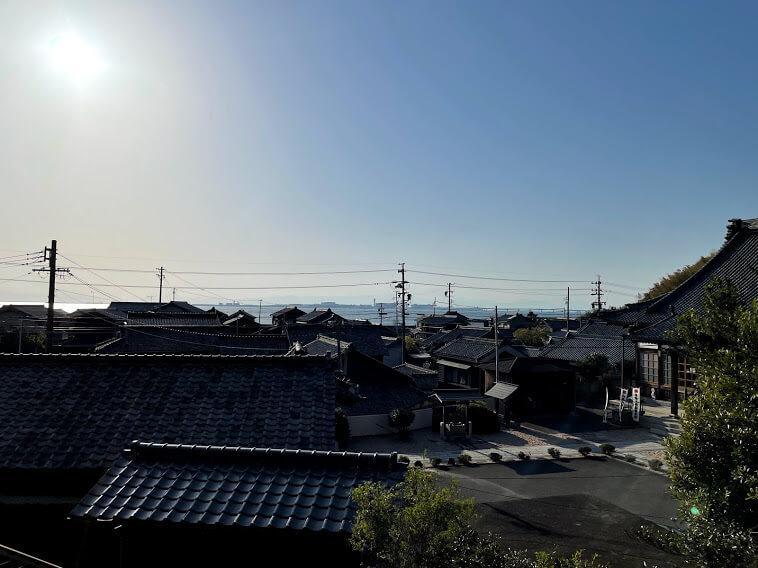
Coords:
pixel 544 140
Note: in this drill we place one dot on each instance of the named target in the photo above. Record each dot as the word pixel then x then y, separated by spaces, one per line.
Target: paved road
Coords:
pixel 566 505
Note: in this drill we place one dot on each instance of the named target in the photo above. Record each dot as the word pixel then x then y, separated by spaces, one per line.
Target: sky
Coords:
pixel 514 140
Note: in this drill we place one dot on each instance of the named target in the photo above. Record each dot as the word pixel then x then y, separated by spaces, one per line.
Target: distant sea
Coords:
pixel 348 311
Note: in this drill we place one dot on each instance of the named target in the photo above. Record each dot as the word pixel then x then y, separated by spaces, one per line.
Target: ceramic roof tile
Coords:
pixel 78 411
pixel 297 489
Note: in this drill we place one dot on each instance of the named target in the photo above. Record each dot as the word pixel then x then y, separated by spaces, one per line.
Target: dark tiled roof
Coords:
pixel 323 345
pixel 446 336
pixel 108 316
pixel 79 411
pixel 172 319
pixel 240 317
pixel 210 342
pixel 577 348
pixel 289 310
pixel 319 315
pixel 600 329
pixel 528 365
pixel 736 262
pixel 450 318
pixel 37 311
pixel 473 349
pixel 244 487
pixel 366 338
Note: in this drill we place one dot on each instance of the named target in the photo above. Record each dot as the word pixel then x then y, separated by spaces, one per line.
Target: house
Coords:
pixel 543 384
pixel 320 316
pixel 366 338
pixel 207 341
pixel 428 325
pixel 459 361
pixel 662 368
pixel 241 321
pixel 286 316
pixel 65 419
pixel 25 320
pixel 188 505
pixel 594 337
pixel 426 379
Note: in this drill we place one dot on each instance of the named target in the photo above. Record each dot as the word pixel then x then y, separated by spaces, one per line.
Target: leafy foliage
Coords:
pixel 532 336
pixel 417 524
pixel 554 452
pixel 584 450
pixel 593 365
pixel 411 345
pixel 668 283
pixel 713 462
pixel 607 449
pixel 401 419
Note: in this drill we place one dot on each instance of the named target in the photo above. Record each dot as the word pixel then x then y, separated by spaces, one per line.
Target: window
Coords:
pixel 667 371
pixel 649 367
pixel 687 376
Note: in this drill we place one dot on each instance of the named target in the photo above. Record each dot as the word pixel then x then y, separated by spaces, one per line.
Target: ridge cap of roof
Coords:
pixel 274 456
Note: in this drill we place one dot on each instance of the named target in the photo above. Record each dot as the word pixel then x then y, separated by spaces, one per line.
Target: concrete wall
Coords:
pixel 376 424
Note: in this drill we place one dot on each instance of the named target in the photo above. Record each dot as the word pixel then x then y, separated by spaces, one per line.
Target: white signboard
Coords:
pixel 636 404
pixel 622 399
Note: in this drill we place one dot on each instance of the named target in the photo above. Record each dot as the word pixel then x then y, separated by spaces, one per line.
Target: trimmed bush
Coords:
pixel 495 457
pixel 524 456
pixel 607 449
pixel 450 461
pixel 554 452
pixel 655 464
pixel 584 450
pixel 401 419
pixel 464 459
pixel 404 459
pixel 630 458
pixel 418 463
pixel 435 461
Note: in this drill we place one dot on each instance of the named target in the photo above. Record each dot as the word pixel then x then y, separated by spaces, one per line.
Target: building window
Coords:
pixel 649 367
pixel 667 371
pixel 687 376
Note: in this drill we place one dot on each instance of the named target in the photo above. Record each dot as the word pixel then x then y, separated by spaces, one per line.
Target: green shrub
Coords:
pixel 630 458
pixel 655 464
pixel 584 450
pixel 401 419
pixel 524 456
pixel 450 461
pixel 554 452
pixel 418 463
pixel 495 457
pixel 607 449
pixel 464 459
pixel 404 459
pixel 435 461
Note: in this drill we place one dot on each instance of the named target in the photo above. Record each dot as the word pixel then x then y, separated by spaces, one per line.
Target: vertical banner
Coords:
pixel 636 404
pixel 622 399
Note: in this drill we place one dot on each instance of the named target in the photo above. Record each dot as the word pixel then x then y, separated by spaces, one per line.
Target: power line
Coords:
pixel 493 278
pixel 91 270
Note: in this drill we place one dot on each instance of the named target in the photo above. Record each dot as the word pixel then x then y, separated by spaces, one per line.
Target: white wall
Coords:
pixel 376 424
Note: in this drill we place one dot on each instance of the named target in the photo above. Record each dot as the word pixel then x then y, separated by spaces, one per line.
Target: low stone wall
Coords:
pixel 376 424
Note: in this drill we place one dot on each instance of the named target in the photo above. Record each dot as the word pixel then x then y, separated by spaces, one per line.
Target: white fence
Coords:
pixel 375 424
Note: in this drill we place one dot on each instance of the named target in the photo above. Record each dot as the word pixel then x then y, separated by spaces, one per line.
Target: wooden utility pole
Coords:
pixel 449 295
pixel 401 285
pixel 497 355
pixel 51 256
pixel 568 308
pixel 160 285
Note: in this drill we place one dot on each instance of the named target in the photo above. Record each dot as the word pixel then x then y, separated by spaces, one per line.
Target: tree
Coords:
pixel 411 345
pixel 416 523
pixel 713 462
pixel 401 419
pixel 532 336
pixel 593 366
pixel 671 281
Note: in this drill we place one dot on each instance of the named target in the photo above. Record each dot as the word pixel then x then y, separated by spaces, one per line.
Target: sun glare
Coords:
pixel 74 57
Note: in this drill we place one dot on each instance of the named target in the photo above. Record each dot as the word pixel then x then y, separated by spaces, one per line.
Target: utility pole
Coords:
pixel 260 307
pixel 173 295
pixel 497 356
pixel 598 304
pixel 160 286
pixel 403 298
pixel 20 334
pixel 382 313
pixel 449 295
pixel 51 256
pixel 568 308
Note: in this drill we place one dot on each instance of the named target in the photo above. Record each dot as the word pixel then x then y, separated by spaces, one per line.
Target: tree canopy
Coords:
pixel 671 281
pixel 532 336
pixel 714 462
